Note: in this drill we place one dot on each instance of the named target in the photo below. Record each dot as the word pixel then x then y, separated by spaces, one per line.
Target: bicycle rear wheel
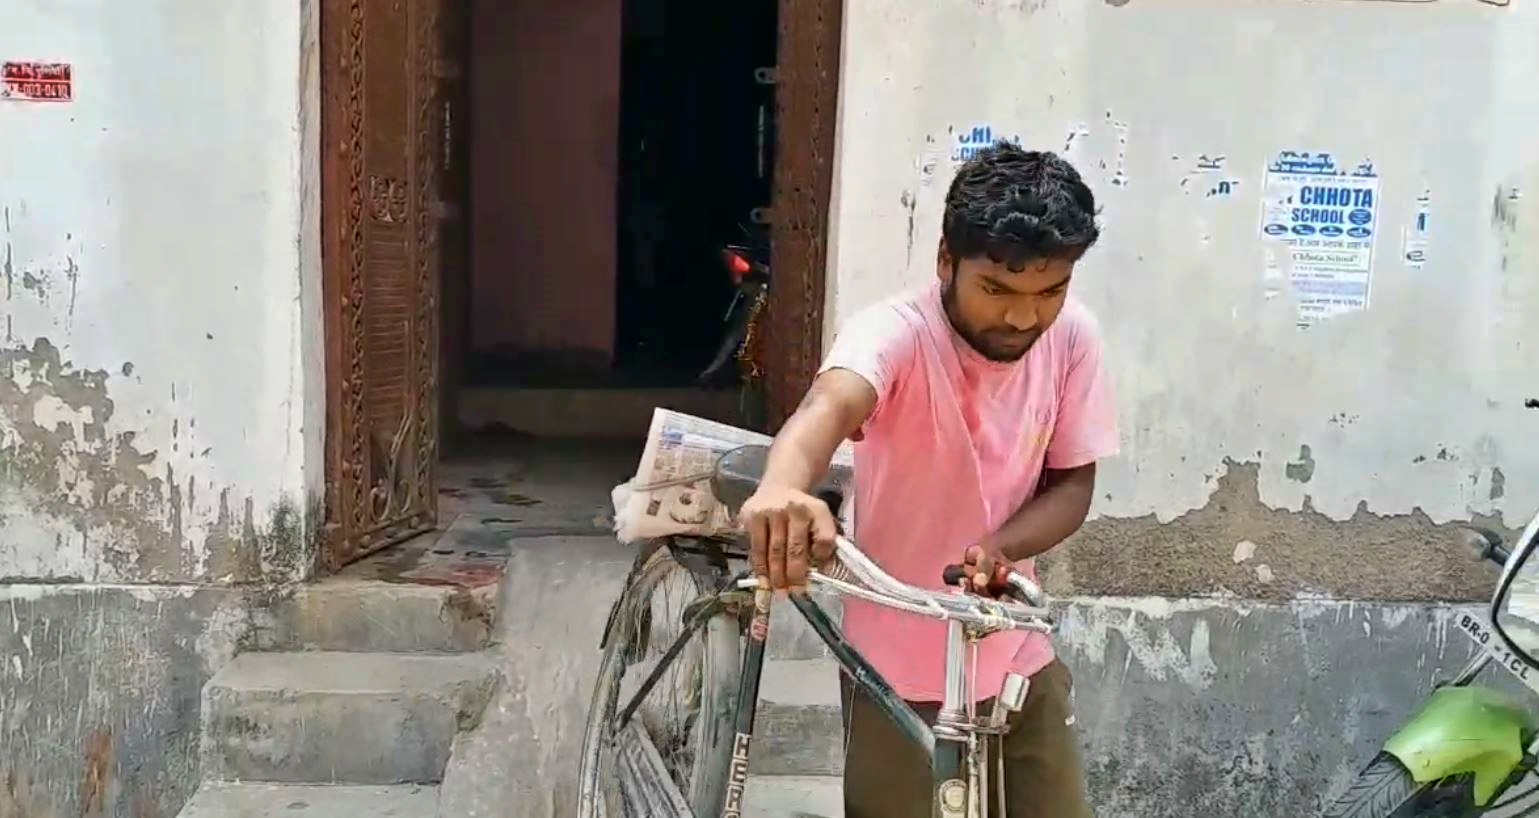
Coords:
pixel 683 729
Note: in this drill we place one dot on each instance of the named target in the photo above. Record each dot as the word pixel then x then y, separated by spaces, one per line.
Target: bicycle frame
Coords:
pixel 946 757
pixel 952 746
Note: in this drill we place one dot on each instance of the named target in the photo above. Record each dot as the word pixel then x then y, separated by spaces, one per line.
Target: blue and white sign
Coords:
pixel 1326 217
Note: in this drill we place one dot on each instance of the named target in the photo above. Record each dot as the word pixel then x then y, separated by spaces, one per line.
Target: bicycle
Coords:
pixel 636 764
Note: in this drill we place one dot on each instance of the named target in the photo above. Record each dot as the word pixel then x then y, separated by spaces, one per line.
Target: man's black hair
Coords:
pixel 1014 206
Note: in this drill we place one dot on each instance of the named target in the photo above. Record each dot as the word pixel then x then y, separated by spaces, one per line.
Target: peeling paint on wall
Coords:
pixel 1118 169
pixel 1415 237
pixel 1301 470
pixel 1206 177
pixel 58 456
pixel 68 465
pixel 51 280
pixel 1237 547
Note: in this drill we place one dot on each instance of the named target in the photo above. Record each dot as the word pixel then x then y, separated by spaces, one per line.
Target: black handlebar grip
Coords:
pixel 953 575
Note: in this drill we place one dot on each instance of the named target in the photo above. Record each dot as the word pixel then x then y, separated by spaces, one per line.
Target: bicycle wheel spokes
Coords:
pixel 677 740
pixel 667 715
pixel 649 786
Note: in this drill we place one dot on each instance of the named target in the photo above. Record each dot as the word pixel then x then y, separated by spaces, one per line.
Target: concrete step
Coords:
pixel 793 796
pixel 799 727
pixel 609 414
pixel 332 717
pixel 346 614
pixel 219 800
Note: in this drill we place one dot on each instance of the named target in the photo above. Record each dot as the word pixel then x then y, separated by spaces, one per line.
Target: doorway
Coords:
pixel 615 147
pixel 696 153
pixel 522 209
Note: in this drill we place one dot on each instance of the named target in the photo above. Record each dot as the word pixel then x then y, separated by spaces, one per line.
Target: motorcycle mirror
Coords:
pixel 1486 544
pixel 1473 541
pixel 1515 607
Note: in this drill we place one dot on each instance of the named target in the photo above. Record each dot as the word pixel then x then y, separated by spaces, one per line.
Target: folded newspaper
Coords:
pixel 671 492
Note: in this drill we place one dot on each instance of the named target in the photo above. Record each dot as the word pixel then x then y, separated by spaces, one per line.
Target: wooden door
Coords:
pixel 452 83
pixel 381 135
pixel 806 111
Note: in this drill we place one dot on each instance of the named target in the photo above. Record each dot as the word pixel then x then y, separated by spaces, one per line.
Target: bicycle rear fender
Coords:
pixel 644 553
pixel 1461 730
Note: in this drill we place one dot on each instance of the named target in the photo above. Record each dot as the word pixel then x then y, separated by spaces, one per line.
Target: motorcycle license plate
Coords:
pixel 1486 637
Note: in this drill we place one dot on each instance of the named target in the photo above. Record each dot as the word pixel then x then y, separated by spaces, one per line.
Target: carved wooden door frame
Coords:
pixel 380 273
pixel 381 489
pixel 807 106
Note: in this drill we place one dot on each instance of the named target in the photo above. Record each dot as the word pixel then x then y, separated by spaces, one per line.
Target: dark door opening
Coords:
pixel 615 147
pixel 697 104
pixel 612 149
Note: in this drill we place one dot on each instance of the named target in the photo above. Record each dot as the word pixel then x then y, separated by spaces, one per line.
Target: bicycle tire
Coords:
pixel 1385 789
pixel 599 785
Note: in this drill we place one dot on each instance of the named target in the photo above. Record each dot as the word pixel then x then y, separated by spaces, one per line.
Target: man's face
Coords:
pixel 998 312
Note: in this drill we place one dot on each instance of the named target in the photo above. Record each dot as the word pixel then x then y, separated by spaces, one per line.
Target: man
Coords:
pixel 979 408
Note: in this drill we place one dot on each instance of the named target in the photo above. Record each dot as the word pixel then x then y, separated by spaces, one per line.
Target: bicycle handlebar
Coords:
pixel 1007 581
pixel 875 585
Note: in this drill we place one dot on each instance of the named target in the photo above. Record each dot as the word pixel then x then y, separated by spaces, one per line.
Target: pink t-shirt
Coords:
pixel 955 445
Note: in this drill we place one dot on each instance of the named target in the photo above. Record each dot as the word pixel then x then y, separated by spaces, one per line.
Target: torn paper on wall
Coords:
pixel 1413 237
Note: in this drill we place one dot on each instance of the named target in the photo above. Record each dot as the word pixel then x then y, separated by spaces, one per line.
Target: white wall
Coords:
pixel 159 220
pixel 1409 404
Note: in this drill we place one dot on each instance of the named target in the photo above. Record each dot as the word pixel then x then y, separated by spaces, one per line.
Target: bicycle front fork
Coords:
pixel 961 759
pixel 748 701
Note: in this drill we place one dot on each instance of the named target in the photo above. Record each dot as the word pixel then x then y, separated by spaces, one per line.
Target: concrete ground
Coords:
pixel 564 569
pixel 522 761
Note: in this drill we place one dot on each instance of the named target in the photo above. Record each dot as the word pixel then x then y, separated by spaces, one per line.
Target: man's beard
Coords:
pixel 1003 345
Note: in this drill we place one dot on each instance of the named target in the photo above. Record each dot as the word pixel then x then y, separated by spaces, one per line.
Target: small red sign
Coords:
pixel 37 81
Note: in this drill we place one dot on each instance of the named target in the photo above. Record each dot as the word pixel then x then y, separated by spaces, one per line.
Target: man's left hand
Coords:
pixel 984 565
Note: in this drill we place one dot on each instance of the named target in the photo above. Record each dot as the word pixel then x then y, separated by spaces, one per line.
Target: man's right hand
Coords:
pixel 790 531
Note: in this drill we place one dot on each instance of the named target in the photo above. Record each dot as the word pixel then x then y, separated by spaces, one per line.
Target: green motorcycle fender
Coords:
pixel 1465 730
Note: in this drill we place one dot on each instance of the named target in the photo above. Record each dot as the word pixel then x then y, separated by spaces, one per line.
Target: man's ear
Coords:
pixel 944 268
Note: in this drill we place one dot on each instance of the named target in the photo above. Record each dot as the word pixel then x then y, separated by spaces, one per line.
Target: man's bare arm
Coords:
pixel 834 408
pixel 789 528
pixel 1047 519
